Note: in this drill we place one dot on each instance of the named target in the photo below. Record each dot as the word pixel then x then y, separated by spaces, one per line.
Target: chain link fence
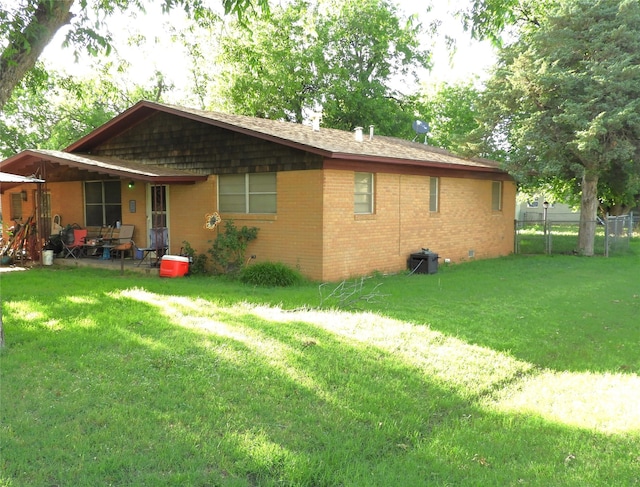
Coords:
pixel 613 234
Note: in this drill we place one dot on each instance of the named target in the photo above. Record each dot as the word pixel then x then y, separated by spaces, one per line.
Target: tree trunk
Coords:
pixel 588 214
pixel 25 46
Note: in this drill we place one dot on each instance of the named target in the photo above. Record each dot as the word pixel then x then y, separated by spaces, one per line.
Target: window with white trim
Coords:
pixel 102 205
pixel 496 195
pixel 363 193
pixel 247 193
pixel 434 194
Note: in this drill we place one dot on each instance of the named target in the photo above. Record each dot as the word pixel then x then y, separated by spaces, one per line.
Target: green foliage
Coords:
pixel 26 26
pixel 339 58
pixel 490 19
pixel 237 7
pixel 198 262
pixel 564 103
pixel 451 111
pixel 270 274
pixel 229 248
pixel 50 111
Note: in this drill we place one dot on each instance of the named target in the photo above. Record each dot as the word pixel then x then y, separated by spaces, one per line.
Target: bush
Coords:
pixel 228 249
pixel 272 274
pixel 198 261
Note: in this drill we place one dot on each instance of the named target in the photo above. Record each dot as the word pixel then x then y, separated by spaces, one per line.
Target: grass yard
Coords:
pixel 516 371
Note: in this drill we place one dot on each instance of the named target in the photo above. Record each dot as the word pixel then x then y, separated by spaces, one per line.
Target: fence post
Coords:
pixel 545 230
pixel 606 235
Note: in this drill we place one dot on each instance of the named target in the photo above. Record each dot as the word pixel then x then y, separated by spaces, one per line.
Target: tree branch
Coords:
pixel 26 45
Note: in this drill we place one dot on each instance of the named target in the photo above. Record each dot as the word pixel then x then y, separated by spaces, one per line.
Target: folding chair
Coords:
pixel 124 241
pixel 74 249
pixel 158 239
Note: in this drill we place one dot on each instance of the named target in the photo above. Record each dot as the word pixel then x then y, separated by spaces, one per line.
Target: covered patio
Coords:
pixel 62 197
pixel 22 241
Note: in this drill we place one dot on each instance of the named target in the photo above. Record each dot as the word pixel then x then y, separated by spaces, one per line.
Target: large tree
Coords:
pixel 338 57
pixel 565 100
pixel 451 112
pixel 50 111
pixel 27 26
pixel 496 19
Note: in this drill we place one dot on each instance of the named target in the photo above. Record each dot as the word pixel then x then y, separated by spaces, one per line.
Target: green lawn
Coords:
pixel 516 371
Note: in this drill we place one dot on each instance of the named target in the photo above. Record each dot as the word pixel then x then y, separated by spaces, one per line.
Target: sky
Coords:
pixel 471 58
pixel 159 54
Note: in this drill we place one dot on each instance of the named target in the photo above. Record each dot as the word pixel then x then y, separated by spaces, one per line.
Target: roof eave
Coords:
pixel 418 163
pixel 123 173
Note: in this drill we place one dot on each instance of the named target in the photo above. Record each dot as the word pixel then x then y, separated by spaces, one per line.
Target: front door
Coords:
pixel 157 208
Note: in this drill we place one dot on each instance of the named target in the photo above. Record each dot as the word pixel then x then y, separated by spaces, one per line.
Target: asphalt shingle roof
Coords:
pixel 336 143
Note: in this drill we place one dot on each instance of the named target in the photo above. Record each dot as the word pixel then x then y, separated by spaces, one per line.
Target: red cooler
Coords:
pixel 174 266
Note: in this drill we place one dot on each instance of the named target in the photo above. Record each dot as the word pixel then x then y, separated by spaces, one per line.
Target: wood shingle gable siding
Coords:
pixel 182 143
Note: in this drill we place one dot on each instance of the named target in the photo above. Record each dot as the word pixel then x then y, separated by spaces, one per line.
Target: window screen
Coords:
pixel 363 192
pixel 16 206
pixel 247 193
pixel 496 195
pixel 434 196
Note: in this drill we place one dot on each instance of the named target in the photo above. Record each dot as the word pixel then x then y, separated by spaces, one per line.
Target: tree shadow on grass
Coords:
pixel 146 391
pixel 562 313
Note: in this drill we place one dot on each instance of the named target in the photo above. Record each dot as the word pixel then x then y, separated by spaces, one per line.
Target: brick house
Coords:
pixel 328 202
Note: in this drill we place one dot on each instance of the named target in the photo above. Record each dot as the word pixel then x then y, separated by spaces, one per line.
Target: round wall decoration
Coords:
pixel 211 220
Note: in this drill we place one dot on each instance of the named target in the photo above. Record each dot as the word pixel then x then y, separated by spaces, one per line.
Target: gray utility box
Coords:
pixel 423 263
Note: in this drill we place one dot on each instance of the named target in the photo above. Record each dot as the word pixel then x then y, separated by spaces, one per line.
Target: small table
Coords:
pixel 92 247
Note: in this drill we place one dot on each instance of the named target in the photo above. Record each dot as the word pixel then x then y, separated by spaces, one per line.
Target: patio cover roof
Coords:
pixel 8 181
pixel 44 163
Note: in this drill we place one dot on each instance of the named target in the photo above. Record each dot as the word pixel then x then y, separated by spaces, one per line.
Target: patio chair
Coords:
pixel 123 243
pixel 158 239
pixel 74 249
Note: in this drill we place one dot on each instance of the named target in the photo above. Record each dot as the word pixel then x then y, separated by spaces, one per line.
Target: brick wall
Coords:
pixel 402 224
pixel 138 218
pixel 292 236
pixel 188 204
pixel 331 243
pixel 66 201
pixel 335 243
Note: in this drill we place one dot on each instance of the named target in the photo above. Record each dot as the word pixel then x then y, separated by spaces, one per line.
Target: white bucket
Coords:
pixel 47 257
